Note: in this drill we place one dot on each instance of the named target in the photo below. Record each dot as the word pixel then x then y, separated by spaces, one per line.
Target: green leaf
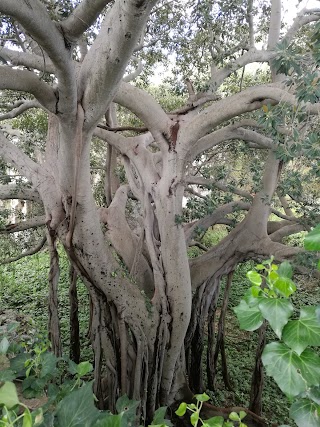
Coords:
pixel 109 420
pixel 312 239
pixel 4 345
pixel 259 267
pixel 284 286
pixel 77 409
pixel 159 415
pixel 242 415
pixel 84 368
pixel 213 422
pixel 277 311
pixel 8 395
pixel 254 278
pixel 182 409
pixel 250 318
pixel 299 334
pixel 314 394
pixel 281 363
pixel 202 397
pixel 234 416
pixel 309 367
pixel 285 270
pixel 27 419
pixel 49 362
pixel 305 413
pixel 7 375
pixel 194 418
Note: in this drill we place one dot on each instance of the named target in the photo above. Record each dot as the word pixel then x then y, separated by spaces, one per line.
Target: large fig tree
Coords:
pixel 149 302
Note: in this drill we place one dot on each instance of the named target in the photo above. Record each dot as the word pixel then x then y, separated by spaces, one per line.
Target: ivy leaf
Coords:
pixel 27 419
pixel 312 239
pixel 182 409
pixel 277 311
pixel 194 418
pixel 284 286
pixel 4 345
pixel 305 413
pixel 280 362
pixel 77 409
pixel 202 397
pixel 309 366
pixel 83 368
pixel 254 278
pixel 213 422
pixel 8 395
pixel 158 418
pixel 285 270
pixel 299 334
pixel 250 318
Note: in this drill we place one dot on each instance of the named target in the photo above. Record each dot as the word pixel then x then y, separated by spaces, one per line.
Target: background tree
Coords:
pixel 149 302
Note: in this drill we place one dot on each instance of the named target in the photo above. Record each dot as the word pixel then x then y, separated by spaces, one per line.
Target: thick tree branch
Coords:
pixel 144 106
pixel 35 222
pixel 32 251
pixel 104 65
pixel 15 112
pixel 26 81
pixel 13 191
pixel 81 18
pixel 13 155
pixel 249 100
pixel 15 57
pixel 34 18
pixel 197 180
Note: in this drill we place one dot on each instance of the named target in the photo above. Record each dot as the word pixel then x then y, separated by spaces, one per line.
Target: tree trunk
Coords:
pixel 74 319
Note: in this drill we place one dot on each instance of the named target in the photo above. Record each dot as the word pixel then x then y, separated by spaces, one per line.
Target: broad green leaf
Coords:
pixel 213 422
pixel 182 409
pixel 127 409
pixel 49 363
pixel 259 267
pixel 309 366
pixel 194 418
pixel 12 327
pixel 158 418
pixel 312 239
pixel 277 311
pixel 234 416
pixel 284 286
pixel 242 415
pixel 84 368
pixel 8 395
pixel 202 397
pixel 281 364
pixel 27 419
pixel 109 421
pixel 249 298
pixel 250 318
pixel 254 278
pixel 299 334
pixel 285 270
pixel 305 413
pixel 314 394
pixel 77 409
pixel 4 345
pixel 7 375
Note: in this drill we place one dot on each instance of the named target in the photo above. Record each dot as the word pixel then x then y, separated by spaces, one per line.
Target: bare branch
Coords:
pixel 34 18
pixel 123 128
pixel 25 254
pixel 35 222
pixel 104 65
pixel 136 73
pixel 13 191
pixel 198 244
pixel 13 155
pixel 37 62
pixel 285 231
pixel 26 81
pixel 223 187
pixel 250 23
pixel 26 105
pixel 82 17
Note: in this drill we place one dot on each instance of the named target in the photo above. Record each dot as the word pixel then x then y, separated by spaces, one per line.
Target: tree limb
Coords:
pixel 26 105
pixel 28 253
pixel 14 191
pixel 26 81
pixel 81 18
pixel 15 57
pixel 35 222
